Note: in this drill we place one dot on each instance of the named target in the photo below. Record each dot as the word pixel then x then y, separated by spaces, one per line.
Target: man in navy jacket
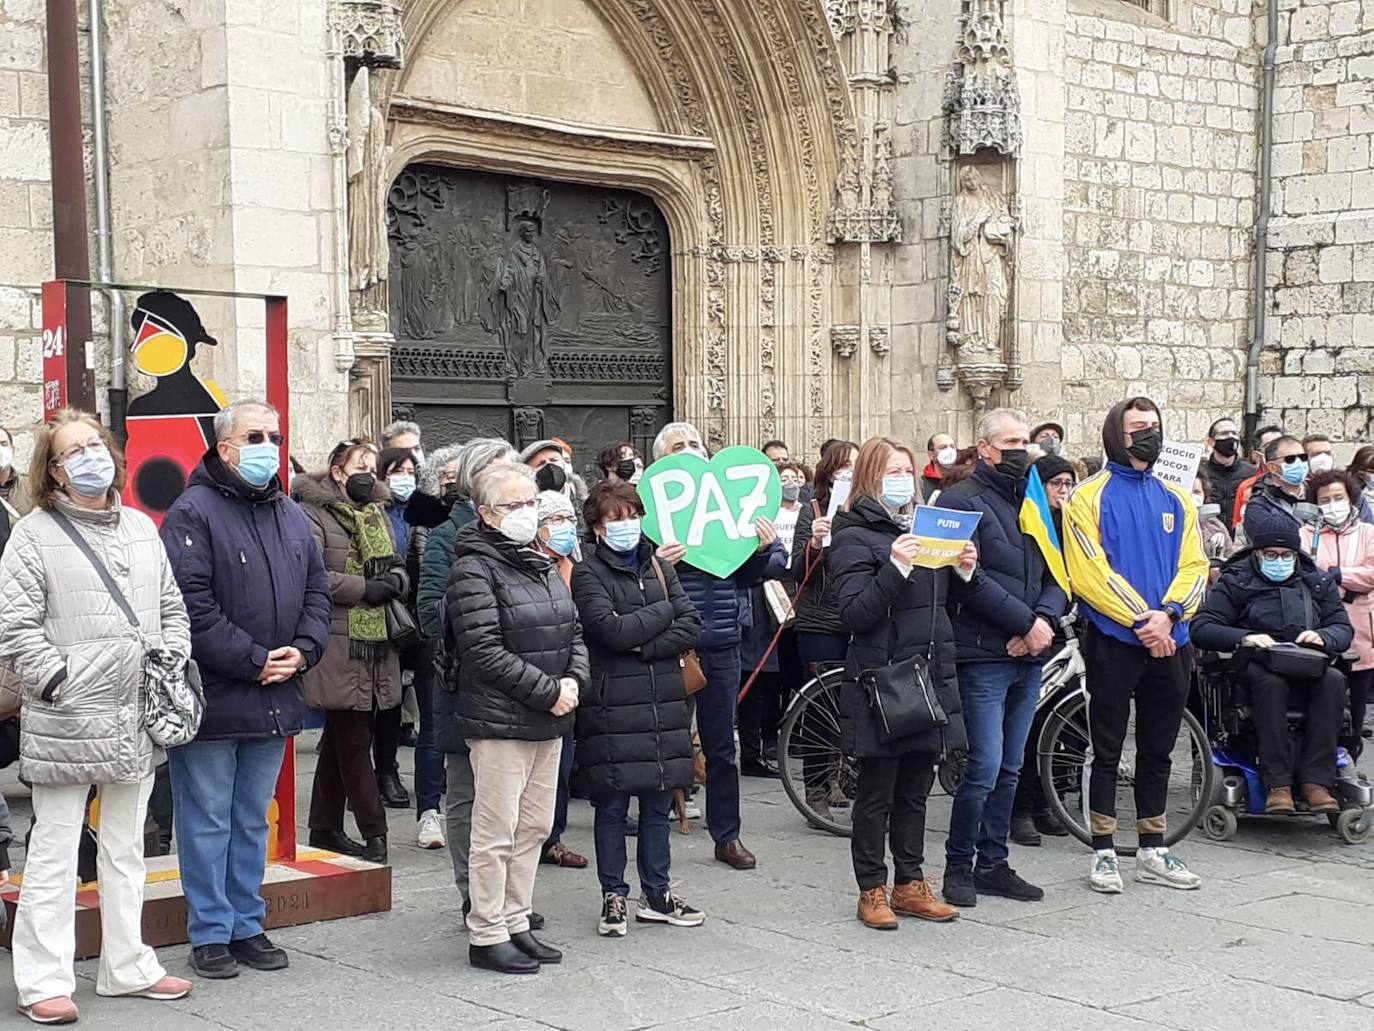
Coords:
pixel 260 606
pixel 1004 621
pixel 719 601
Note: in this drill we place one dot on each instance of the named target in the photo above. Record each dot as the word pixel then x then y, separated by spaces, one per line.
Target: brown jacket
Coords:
pixel 339 681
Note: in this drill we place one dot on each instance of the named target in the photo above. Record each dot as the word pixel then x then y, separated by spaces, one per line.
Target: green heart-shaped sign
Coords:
pixel 711 506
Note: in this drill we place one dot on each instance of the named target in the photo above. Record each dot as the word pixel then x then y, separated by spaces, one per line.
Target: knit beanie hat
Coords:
pixel 1051 466
pixel 1267 528
pixel 552 502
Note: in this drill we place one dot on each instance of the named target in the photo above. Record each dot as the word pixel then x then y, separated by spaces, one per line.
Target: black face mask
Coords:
pixel 1014 463
pixel 1227 447
pixel 359 487
pixel 625 468
pixel 551 477
pixel 450 495
pixel 1145 445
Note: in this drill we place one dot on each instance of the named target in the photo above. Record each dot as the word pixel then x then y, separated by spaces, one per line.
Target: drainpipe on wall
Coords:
pixel 1262 226
pixel 119 392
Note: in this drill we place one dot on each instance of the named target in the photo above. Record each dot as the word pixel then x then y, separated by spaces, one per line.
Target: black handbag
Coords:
pixel 902 695
pixel 400 626
pixel 1294 662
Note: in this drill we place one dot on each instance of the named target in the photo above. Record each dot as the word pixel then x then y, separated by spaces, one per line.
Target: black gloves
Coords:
pixel 383 590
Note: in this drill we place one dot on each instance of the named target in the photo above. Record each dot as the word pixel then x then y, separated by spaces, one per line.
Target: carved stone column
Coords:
pixel 983 112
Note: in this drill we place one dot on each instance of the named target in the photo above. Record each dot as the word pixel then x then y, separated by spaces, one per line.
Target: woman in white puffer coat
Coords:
pixel 80 664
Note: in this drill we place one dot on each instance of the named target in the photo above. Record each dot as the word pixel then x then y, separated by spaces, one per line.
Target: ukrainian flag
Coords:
pixel 1038 524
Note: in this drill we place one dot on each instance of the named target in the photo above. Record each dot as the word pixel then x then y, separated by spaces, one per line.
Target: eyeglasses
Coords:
pixel 1275 555
pixel 558 519
pixel 259 437
pixel 507 507
pixel 1290 459
pixel 1061 483
pixel 94 447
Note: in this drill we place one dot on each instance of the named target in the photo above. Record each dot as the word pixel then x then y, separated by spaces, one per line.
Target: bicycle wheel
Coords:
pixel 1065 759
pixel 816 774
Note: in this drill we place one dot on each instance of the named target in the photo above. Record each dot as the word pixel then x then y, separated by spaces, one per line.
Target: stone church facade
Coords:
pixel 791 218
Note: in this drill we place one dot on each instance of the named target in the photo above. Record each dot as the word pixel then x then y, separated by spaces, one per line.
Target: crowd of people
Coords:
pixel 545 648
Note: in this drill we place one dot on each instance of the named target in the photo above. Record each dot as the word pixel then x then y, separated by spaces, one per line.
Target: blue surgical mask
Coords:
pixel 258 463
pixel 899 490
pixel 90 473
pixel 563 538
pixel 1294 473
pixel 1277 570
pixel 622 535
pixel 402 486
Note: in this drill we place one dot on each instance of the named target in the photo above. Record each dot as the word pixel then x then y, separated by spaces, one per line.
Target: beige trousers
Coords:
pixel 515 784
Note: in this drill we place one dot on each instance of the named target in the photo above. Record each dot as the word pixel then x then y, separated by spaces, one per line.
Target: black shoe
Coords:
pixel 408 735
pixel 393 792
pixel 375 849
pixel 259 953
pixel 1003 881
pixel 335 841
pixel 757 768
pixel 536 922
pixel 958 887
pixel 535 949
pixel 1046 823
pixel 504 958
pixel 214 961
pixel 1023 832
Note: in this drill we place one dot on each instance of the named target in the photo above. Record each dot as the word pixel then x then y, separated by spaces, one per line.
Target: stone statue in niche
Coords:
pixel 523 305
pixel 981 238
pixel 368 251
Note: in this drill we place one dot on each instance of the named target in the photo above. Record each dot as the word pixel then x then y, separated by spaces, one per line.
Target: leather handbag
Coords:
pixel 902 695
pixel 400 625
pixel 693 679
pixel 1293 661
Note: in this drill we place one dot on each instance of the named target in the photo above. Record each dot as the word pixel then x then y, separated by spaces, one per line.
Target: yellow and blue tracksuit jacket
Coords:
pixel 1131 544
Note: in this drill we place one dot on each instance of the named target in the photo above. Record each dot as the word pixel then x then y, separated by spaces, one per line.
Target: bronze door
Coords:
pixel 526 309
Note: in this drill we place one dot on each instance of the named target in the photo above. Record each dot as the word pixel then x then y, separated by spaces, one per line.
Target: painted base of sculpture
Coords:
pixel 316 886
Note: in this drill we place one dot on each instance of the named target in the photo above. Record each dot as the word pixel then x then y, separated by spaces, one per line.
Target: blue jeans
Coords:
pixel 716 704
pixel 651 848
pixel 429 763
pixel 222 789
pixel 999 703
pixel 560 807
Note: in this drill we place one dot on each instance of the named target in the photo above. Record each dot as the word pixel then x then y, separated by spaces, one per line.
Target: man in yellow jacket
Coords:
pixel 1135 559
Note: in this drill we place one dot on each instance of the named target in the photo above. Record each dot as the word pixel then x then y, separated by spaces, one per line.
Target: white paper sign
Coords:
pixel 839 494
pixel 1177 463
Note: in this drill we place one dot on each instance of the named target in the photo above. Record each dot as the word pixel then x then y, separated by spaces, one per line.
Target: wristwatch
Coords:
pixel 1175 611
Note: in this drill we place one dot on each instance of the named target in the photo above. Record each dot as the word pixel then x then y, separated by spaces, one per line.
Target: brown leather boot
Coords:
pixel 1320 799
pixel 1280 801
pixel 917 899
pixel 874 910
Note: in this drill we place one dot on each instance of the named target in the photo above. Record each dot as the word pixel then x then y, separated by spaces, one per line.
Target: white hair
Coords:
pixel 433 469
pixel 486 487
pixel 396 429
pixel 227 419
pixel 476 455
pixel 674 431
pixel 991 423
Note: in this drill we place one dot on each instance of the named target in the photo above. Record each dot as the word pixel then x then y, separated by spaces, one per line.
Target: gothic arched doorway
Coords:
pixel 527 309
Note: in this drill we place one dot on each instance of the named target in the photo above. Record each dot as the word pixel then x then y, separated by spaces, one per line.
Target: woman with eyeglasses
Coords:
pixel 511 621
pixel 360 674
pixel 80 663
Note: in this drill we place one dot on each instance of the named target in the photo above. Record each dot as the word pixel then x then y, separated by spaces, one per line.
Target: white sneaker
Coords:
pixel 1160 866
pixel 431 834
pixel 1104 874
pixel 691 810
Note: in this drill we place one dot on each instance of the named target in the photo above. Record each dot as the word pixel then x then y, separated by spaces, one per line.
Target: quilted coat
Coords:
pixel 65 637
pixel 511 627
pixel 634 727
pixel 339 681
pixel 891 617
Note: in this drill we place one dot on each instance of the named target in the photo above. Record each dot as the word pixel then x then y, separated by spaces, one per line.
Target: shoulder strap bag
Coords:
pixel 173 700
pixel 902 695
pixel 693 679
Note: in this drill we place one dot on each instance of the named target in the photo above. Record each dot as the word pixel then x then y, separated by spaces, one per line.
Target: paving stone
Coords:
pixel 1008 1008
pixel 1235 1006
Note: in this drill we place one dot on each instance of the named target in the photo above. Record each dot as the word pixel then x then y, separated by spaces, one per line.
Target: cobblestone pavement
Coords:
pixel 1281 936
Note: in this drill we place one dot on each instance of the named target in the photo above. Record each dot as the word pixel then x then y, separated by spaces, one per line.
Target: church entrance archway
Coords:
pixel 527 309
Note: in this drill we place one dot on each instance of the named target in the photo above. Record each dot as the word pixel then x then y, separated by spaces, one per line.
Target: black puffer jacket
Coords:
pixel 1243 602
pixel 891 617
pixel 817 610
pixel 633 724
pixel 511 628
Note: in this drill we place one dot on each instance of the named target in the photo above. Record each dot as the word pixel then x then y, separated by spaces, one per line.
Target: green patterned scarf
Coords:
pixel 370 553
